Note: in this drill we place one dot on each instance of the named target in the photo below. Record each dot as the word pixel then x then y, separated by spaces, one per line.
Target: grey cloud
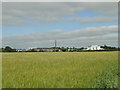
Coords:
pixel 94 35
pixel 103 7
pixel 13 13
pixel 0 11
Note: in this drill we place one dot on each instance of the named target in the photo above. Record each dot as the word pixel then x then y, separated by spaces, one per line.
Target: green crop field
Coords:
pixel 60 70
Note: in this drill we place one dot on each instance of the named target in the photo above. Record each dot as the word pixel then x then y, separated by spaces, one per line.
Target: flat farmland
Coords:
pixel 60 70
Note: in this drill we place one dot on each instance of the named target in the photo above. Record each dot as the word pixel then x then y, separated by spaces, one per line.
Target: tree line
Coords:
pixel 63 49
pixel 8 49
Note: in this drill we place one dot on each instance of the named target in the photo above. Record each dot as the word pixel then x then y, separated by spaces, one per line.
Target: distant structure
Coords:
pixel 44 49
pixel 94 47
pixel 21 50
pixel 55 45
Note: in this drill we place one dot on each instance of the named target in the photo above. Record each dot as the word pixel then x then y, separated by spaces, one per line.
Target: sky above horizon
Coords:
pixel 78 24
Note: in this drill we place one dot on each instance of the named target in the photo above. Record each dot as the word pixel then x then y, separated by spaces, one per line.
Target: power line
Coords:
pixel 55 45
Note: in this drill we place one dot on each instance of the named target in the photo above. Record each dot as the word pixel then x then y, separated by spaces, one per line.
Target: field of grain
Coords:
pixel 59 69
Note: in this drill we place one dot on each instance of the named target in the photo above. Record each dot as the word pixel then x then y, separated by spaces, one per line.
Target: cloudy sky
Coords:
pixel 78 24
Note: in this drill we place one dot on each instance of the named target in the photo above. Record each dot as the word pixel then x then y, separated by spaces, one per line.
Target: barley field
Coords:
pixel 60 70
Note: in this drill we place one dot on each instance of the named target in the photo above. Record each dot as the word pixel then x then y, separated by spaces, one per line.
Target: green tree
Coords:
pixel 8 49
pixel 32 50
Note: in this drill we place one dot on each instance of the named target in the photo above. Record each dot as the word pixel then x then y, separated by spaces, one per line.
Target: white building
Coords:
pixel 21 50
pixel 94 47
pixel 46 49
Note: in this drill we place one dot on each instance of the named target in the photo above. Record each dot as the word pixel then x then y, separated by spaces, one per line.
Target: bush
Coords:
pixel 8 49
pixel 108 79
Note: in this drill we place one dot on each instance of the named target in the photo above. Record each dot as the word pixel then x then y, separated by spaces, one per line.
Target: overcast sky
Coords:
pixel 78 24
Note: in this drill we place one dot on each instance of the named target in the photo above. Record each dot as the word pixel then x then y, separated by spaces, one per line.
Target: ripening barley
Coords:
pixel 59 69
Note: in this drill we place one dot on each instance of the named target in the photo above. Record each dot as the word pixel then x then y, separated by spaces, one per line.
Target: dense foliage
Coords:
pixel 63 49
pixel 8 49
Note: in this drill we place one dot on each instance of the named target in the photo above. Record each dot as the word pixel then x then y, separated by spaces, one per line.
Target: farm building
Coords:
pixel 21 50
pixel 46 49
pixel 94 47
pixel 39 50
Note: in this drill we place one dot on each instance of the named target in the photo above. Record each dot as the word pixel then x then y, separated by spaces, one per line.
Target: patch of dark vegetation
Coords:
pixel 108 79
